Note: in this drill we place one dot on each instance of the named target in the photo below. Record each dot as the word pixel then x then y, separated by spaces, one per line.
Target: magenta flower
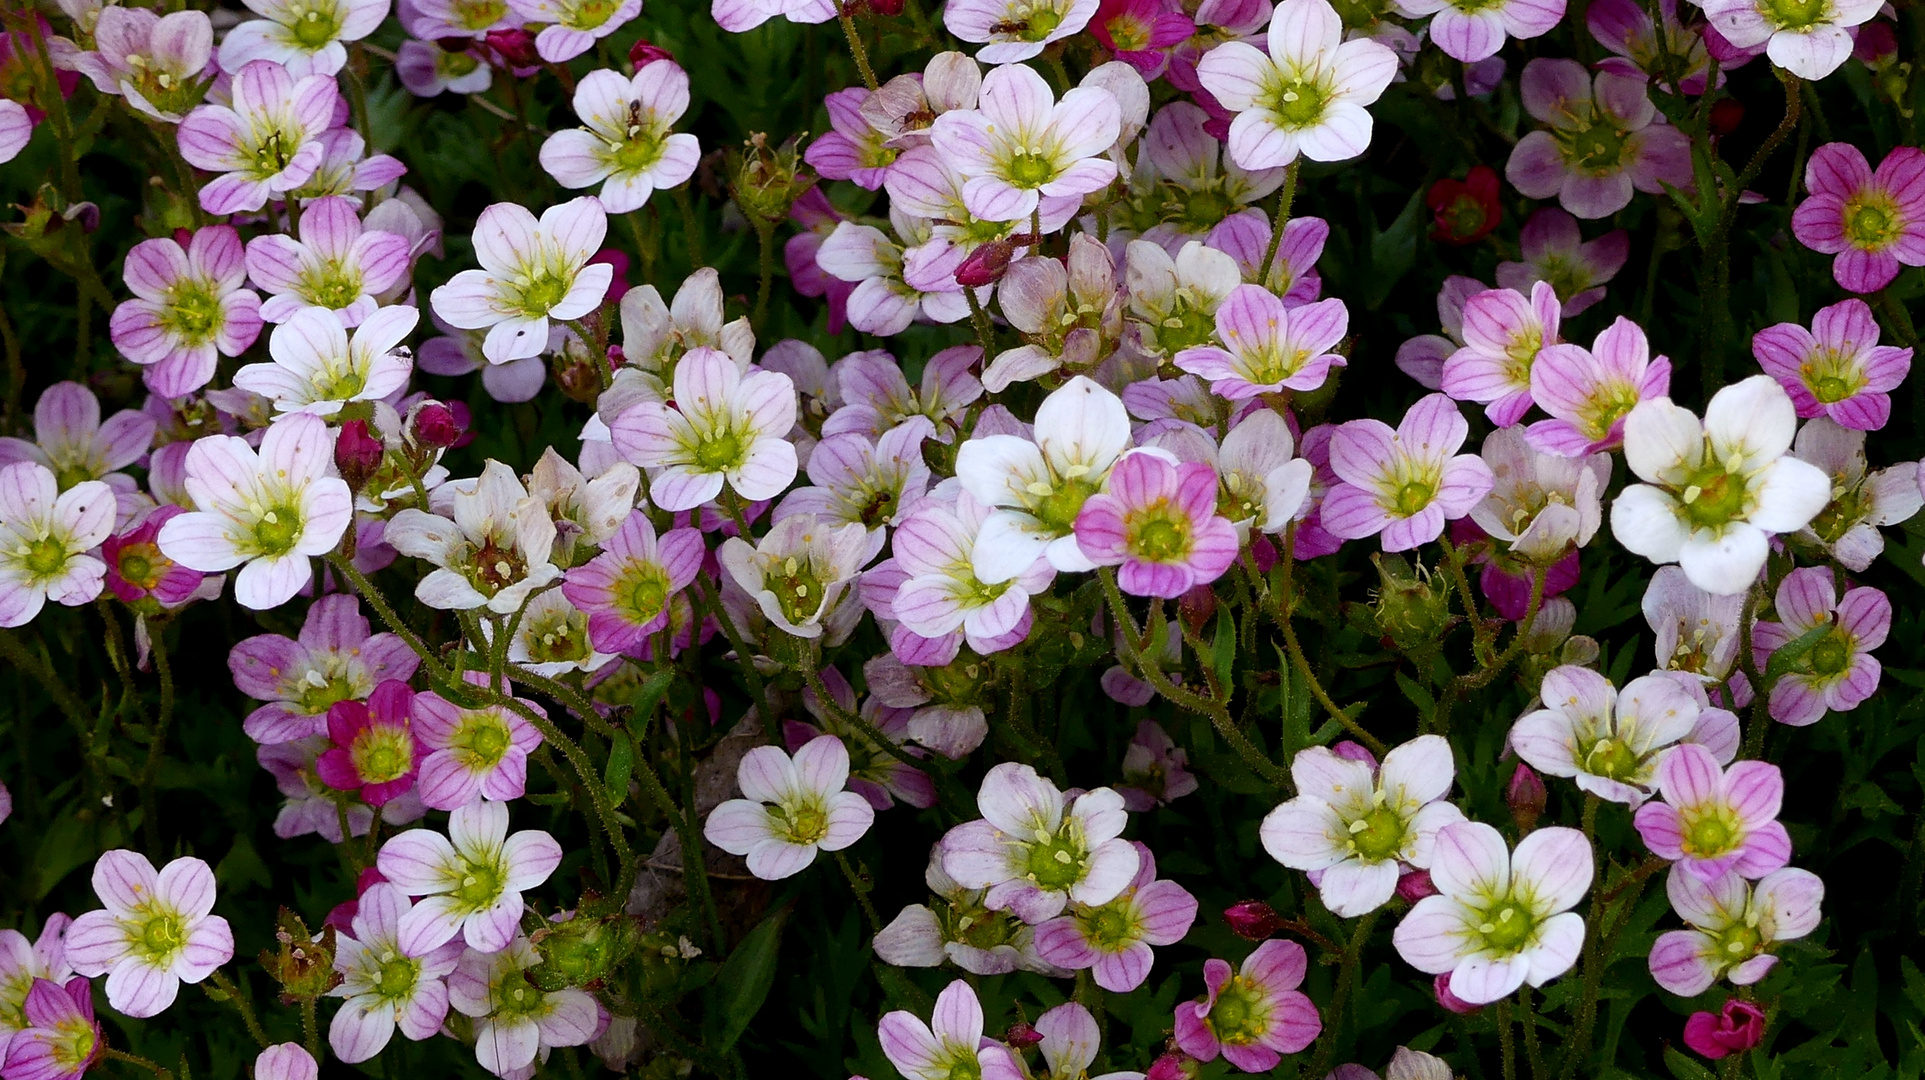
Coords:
pixel 1606 140
pixel 1839 672
pixel 852 149
pixel 1473 31
pixel 22 962
pixel 1713 820
pixel 61 1039
pixel 136 569
pixel 374 750
pixel 336 658
pixel 1404 483
pixel 266 144
pixel 1874 222
pixel 336 264
pixel 1158 522
pixel 1735 1029
pixel 1141 33
pixel 190 307
pixel 1503 331
pixel 1555 250
pixel 1269 346
pixel 1113 940
pixel 1589 392
pixel 1836 368
pixel 626 589
pixel 470 881
pixel 1254 1016
pixel 155 933
pixel 472 754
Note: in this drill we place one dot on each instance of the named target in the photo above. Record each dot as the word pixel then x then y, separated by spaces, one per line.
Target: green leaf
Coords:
pixel 1225 646
pixel 621 764
pixel 742 985
pixel 1683 1067
pixel 1793 651
pixel 1418 696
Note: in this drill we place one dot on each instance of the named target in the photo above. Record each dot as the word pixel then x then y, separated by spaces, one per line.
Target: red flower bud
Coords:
pixel 1465 211
pixel 1726 115
pixel 1738 1028
pixel 433 424
pixel 1877 44
pixel 515 46
pixel 1171 1066
pixel 886 7
pixel 1414 885
pixel 1441 987
pixel 1526 796
pixel 1252 919
pixel 357 453
pixel 645 52
pixel 985 265
pixel 1021 1036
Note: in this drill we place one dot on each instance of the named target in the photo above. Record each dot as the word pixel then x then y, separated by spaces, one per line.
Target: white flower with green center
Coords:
pixel 553 638
pixel 1359 826
pixel 1609 741
pixel 267 512
pixel 385 986
pixel 625 143
pixel 318 369
pixel 154 934
pixel 570 28
pixel 1174 301
pixel 724 427
pixel 514 1020
pixel 305 36
pixel 1733 927
pixel 797 573
pixel 531 271
pixel 1809 38
pixel 1501 918
pixel 1036 850
pixel 470 881
pixel 45 537
pixel 791 807
pixel 1715 491
pixel 1307 96
pixel 491 543
pixel 1020 144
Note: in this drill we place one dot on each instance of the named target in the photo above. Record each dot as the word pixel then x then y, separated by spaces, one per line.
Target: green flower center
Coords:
pixel 721 453
pixel 1036 25
pixel 270 156
pixel 1378 835
pixel 454 65
pixel 1869 225
pixel 1027 170
pixel 1056 863
pixel 1710 835
pixel 193 312
pixel 1239 1016
pixel 1612 759
pixel 516 996
pixel 1110 927
pixel 1058 508
pixel 44 558
pixel 797 589
pixel 1298 103
pixel 397 977
pixel 162 935
pixel 641 151
pixel 312 27
pixel 137 566
pixel 1832 655
pixel 558 638
pixel 1507 927
pixel 382 754
pixel 1128 33
pixel 494 567
pixel 589 14
pixel 479 886
pixel 479 15
pixel 319 693
pixel 1598 148
pixel 643 591
pixel 1796 14
pixel 1714 498
pixel 332 287
pixel 74 1046
pixel 277 530
pixel 1413 497
pixel 482 739
pixel 802 825
pixel 1463 217
pixel 1273 365
pixel 1160 539
pixel 1829 376
pixel 965 1066
pixel 541 293
pixel 1738 943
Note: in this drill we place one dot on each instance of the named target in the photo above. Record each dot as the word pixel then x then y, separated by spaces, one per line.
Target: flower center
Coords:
pixel 1128 33
pixel 1058 507
pixel 589 14
pixel 1034 25
pixel 277 530
pixel 516 996
pixel 644 591
pixel 1832 655
pixel 639 152
pixel 1612 759
pixel 1738 942
pixel 558 638
pixel 1378 835
pixel 43 558
pixel 495 567
pixel 162 935
pixel 796 589
pixel 1869 225
pixel 719 453
pixel 1598 148
pixel 332 287
pixel 803 825
pixel 482 741
pixel 1030 169
pixel 1796 14
pixel 1239 1016
pixel 1298 103
pixel 478 15
pixel 383 753
pixel 1056 862
pixel 193 312
pixel 317 692
pixel 1110 928
pixel 1714 498
pixel 479 886
pixel 1160 539
pixel 1413 497
pixel 541 293
pixel 397 977
pixel 271 156
pixel 1711 833
pixel 1506 927
pixel 138 565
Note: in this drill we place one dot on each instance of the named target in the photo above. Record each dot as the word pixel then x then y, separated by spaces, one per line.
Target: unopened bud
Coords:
pixel 515 46
pixel 1414 885
pixel 1252 920
pixel 1526 796
pixel 1171 1066
pixel 645 52
pixel 1441 987
pixel 1021 1036
pixel 985 265
pixel 357 453
pixel 1876 45
pixel 1739 1027
pixel 433 424
pixel 1726 115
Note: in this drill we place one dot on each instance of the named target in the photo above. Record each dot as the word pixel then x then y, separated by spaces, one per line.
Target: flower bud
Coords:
pixel 1726 115
pixel 1412 605
pixel 515 46
pixel 1171 1066
pixel 645 52
pixel 985 265
pixel 433 424
pixel 1414 885
pixel 1021 1036
pixel 1526 796
pixel 304 965
pixel 768 181
pixel 357 453
pixel 1738 1028
pixel 1876 45
pixel 1441 987
pixel 580 952
pixel 1253 920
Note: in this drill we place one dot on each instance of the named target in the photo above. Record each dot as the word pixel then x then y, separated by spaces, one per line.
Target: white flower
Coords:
pixel 723 427
pixel 1714 492
pixel 1861 500
pixel 531 272
pixel 1020 143
pixel 305 36
pixel 1541 503
pixel 45 537
pixel 1264 484
pixel 791 808
pixel 317 368
pixel 625 142
pixel 799 570
pixel 492 548
pixel 1609 742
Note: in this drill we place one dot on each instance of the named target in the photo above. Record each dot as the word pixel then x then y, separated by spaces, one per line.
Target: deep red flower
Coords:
pixel 1465 211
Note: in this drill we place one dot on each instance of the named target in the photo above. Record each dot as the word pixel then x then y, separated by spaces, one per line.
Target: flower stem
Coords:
pixel 694 869
pixel 985 330
pixel 1528 1020
pixel 1507 1047
pixel 1346 983
pixel 387 614
pixel 861 889
pixel 112 1054
pixel 1286 195
pixel 855 48
pixel 156 744
pixel 1286 604
pixel 238 998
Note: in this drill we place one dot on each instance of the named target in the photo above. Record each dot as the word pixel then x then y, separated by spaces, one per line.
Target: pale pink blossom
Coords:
pixel 1838 672
pixel 266 143
pixel 156 931
pixel 469 882
pixel 791 808
pixel 1715 820
pixel 190 307
pixel 1404 483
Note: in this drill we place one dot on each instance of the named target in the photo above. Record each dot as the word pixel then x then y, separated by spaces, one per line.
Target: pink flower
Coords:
pixel 470 881
pixel 531 271
pixel 1713 820
pixel 791 807
pixel 1253 1016
pixel 1605 140
pixel 516 1021
pixel 852 149
pixel 626 142
pixel 22 962
pixel 266 144
pixel 189 308
pixel 1158 521
pixel 1874 222
pixel 157 62
pixel 724 426
pixel 1269 346
pixel 1015 30
pixel 336 264
pixel 1113 940
pixel 1471 31
pixel 61 1039
pixel 1155 769
pixel 1504 331
pixel 136 569
pixel 1021 144
pixel 472 753
pixel 337 658
pixel 1837 368
pixel 1626 28
pixel 1589 392
pixel 71 440
pixel 1733 927
pixel 1839 672
pixel 1036 849
pixel 1809 43
pixel 385 986
pixel 154 934
pixel 950 1044
pixel 374 748
pixel 570 28
pixel 1738 1027
pixel 1555 251
pixel 1245 236
pixel 46 540
pixel 626 589
pixel 1404 483
pixel 286 1061
pixel 1141 33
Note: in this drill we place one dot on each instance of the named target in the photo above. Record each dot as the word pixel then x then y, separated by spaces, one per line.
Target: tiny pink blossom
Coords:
pixel 155 932
pixel 374 749
pixel 1606 140
pixel 1254 1015
pixel 949 1044
pixel 470 881
pixel 61 1039
pixel 1836 368
pixel 1589 392
pixel 1839 672
pixel 1404 483
pixel 47 537
pixel 1504 331
pixel 472 754
pixel 1158 523
pixel 791 808
pixel 1471 31
pixel 1029 823
pixel 1873 221
pixel 1713 820
pixel 626 589
pixel 1554 250
pixel 384 986
pixel 336 658
pixel 1269 346
pixel 1734 925
pixel 266 143
pixel 1113 940
pixel 336 264
pixel 191 306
